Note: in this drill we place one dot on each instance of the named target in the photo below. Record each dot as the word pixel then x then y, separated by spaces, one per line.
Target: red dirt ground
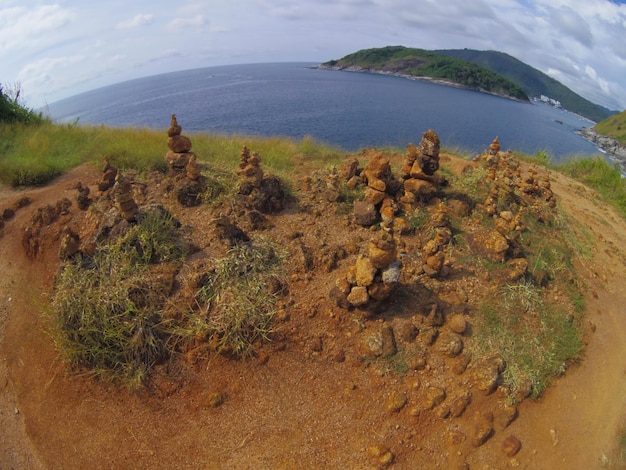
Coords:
pixel 296 405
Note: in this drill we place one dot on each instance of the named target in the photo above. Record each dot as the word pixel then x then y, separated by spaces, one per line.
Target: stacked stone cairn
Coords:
pixel 418 172
pixel 109 172
pixel 179 147
pixel 511 195
pixel 373 277
pixel 380 191
pixel 258 191
pixel 433 252
pixel 123 194
pixel 190 184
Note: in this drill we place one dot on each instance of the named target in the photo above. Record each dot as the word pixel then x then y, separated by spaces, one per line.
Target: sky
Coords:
pixel 56 49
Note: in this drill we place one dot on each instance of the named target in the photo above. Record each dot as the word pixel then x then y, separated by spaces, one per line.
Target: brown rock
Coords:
pixel 349 169
pixel 382 251
pixel 177 161
pixel 423 190
pixel 365 271
pixel 374 196
pixel 389 347
pixel 460 364
pixel 396 401
pixel 450 344
pixel 511 446
pixel 358 296
pixel 457 323
pixel 433 396
pixel 459 405
pixel 179 144
pixel 365 214
pixel 482 432
pixel 379 290
pixel 505 415
pixel 174 129
pixel 486 373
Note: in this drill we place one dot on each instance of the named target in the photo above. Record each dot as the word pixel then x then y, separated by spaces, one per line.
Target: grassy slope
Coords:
pixel 614 126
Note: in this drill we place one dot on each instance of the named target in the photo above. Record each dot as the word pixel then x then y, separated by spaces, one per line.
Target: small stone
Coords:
pixel 391 274
pixel 450 344
pixel 460 364
pixel 215 399
pixel 358 296
pixel 365 214
pixel 482 433
pixel 433 396
pixel 511 446
pixel 459 405
pixel 457 323
pixel 365 271
pixel 505 415
pixel 455 437
pixel 389 341
pixel 396 402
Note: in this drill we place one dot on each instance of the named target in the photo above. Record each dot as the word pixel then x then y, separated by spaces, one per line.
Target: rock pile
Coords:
pixel 109 172
pixel 373 277
pixel 433 254
pixel 123 195
pixel 511 196
pixel 381 189
pixel 419 172
pixel 258 191
pixel 180 147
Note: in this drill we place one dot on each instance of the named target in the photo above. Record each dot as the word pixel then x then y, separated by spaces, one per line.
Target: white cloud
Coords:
pixel 26 27
pixel 136 21
pixel 178 24
pixel 119 41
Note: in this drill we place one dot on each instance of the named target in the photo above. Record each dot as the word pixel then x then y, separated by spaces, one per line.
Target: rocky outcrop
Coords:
pixel 606 143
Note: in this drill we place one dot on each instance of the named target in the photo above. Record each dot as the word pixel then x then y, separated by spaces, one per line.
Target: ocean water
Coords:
pixel 347 109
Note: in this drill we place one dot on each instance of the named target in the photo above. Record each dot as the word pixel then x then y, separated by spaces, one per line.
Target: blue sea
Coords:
pixel 346 109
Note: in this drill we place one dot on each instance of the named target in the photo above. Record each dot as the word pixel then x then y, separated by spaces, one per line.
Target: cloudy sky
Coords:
pixel 56 49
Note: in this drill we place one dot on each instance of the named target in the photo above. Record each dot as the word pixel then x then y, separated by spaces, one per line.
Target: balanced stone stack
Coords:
pixel 433 253
pixel 123 192
pixel 180 147
pixel 258 191
pixel 109 172
pixel 418 171
pixel 373 277
pixel 379 194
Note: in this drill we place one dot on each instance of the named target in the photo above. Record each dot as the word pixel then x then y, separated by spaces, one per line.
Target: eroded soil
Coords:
pixel 307 400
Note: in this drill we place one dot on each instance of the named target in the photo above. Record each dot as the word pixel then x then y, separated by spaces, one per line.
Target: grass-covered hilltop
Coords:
pixel 401 300
pixel 488 71
pixel 412 62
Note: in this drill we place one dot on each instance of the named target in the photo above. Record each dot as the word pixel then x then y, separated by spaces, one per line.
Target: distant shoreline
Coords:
pixel 616 152
pixel 436 81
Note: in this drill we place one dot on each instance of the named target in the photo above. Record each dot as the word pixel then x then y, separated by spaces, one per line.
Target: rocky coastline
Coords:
pixel 613 149
pixel 392 73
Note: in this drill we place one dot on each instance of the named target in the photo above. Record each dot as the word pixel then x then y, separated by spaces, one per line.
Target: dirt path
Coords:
pixel 291 411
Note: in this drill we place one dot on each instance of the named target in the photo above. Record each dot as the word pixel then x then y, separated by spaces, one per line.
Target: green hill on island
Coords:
pixel 488 71
pixel 400 60
pixel 533 82
pixel 614 127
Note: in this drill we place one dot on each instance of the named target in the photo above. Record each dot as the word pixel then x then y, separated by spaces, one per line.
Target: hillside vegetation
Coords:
pixel 614 126
pixel 411 288
pixel 531 80
pixel 422 63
